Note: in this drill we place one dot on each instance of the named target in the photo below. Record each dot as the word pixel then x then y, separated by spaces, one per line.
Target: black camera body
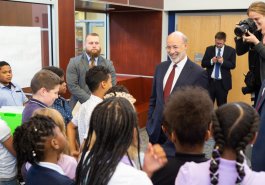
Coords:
pixel 247 90
pixel 250 83
pixel 244 26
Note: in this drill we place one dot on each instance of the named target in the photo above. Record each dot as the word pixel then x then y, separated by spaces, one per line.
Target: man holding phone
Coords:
pixel 218 61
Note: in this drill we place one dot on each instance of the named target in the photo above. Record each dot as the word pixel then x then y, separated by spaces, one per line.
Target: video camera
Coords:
pixel 244 26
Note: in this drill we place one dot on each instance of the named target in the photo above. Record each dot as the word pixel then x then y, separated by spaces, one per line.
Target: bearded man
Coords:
pixel 79 65
pixel 178 71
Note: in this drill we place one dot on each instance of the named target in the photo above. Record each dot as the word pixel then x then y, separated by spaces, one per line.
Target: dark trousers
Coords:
pixel 167 145
pixel 217 92
pixel 161 140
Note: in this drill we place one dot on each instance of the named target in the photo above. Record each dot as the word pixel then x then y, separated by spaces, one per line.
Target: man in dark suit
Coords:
pixel 258 150
pixel 167 79
pixel 78 66
pixel 218 61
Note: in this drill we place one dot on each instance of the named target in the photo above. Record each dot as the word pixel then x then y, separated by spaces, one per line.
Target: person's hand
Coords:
pixel 214 59
pixel 220 60
pixel 250 38
pixel 74 153
pixel 154 158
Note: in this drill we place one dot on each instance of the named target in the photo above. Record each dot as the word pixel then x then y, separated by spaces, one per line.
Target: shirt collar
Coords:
pixel 222 48
pixel 88 58
pixel 3 86
pixel 52 166
pixel 32 100
pixel 184 155
pixel 96 98
pixel 182 63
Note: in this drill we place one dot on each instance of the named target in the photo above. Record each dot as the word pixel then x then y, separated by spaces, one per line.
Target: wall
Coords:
pixel 66 31
pixel 201 28
pixel 28 15
pixel 135 41
pixel 135 49
pixel 182 5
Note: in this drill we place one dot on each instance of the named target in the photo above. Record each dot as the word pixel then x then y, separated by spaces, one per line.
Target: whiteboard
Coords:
pixel 21 48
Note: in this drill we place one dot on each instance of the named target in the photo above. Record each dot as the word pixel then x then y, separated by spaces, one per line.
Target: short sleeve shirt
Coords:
pixel 82 117
pixel 12 97
pixel 8 168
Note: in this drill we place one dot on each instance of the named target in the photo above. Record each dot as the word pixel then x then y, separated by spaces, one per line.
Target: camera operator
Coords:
pixel 254 44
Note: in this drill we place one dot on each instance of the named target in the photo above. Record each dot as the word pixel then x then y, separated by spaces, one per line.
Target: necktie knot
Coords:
pixel 92 62
pixel 219 52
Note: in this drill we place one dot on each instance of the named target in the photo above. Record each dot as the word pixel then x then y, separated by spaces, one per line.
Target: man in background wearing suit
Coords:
pixel 174 73
pixel 218 61
pixel 78 66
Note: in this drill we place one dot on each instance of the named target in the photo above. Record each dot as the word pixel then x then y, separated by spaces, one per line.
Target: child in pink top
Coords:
pixel 234 127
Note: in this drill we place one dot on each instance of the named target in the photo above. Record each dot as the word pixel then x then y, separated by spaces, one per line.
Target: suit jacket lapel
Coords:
pixel 84 61
pixel 100 59
pixel 261 98
pixel 162 75
pixel 225 52
pixel 184 75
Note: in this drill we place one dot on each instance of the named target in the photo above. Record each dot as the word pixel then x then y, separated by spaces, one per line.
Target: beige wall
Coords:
pixel 201 29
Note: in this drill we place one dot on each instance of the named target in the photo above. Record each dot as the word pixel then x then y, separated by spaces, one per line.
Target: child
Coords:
pixel 98 80
pixel 113 122
pixel 120 91
pixel 8 169
pixel 45 87
pixel 234 127
pixel 11 93
pixel 66 162
pixel 41 143
pixel 187 123
pixel 134 149
pixel 60 103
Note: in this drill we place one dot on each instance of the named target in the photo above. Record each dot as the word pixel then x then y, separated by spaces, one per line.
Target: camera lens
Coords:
pixel 244 26
pixel 241 30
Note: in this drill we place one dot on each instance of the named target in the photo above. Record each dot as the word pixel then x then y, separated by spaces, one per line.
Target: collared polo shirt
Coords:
pixel 30 107
pixel 13 96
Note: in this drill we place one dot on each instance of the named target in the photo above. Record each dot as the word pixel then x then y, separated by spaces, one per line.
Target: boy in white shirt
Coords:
pixel 98 80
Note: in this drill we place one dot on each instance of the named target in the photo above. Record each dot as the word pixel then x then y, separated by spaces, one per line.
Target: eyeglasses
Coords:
pixel 172 47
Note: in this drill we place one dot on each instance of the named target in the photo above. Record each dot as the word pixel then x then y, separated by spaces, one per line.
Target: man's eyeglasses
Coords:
pixel 172 47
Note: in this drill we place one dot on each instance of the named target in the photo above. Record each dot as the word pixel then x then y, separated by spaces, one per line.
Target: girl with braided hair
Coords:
pixel 41 142
pixel 66 162
pixel 134 149
pixel 234 127
pixel 113 122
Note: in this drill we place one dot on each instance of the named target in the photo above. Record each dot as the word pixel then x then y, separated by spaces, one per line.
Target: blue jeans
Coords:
pixel 10 182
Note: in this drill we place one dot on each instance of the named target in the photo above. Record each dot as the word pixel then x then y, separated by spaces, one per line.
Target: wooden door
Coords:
pixel 201 29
